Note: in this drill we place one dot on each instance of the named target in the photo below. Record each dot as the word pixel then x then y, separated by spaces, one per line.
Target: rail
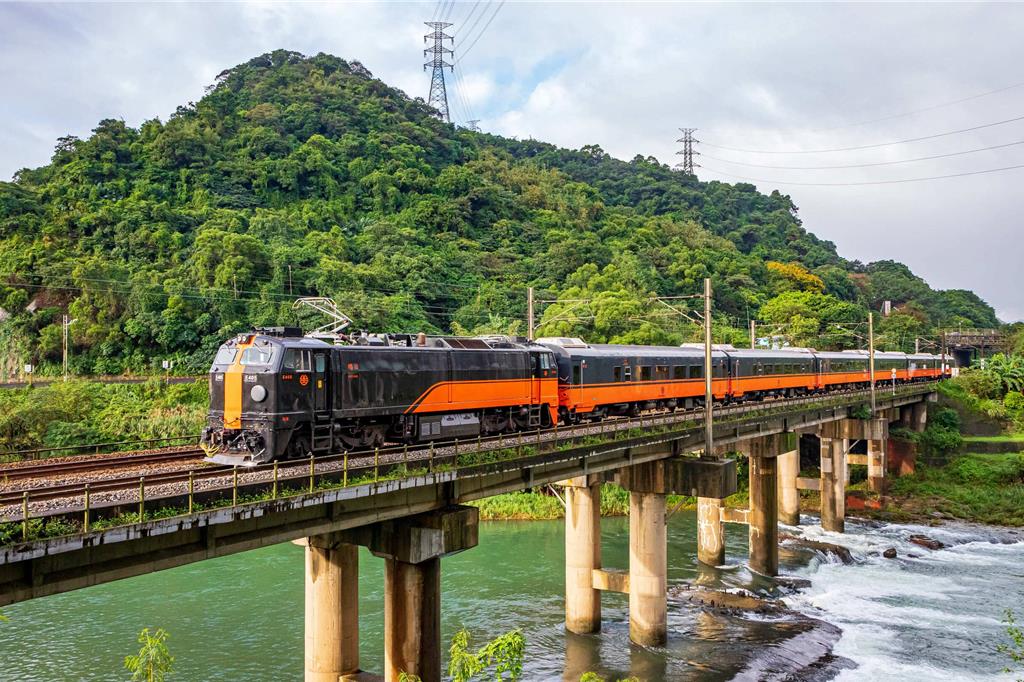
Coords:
pixel 36 453
pixel 300 477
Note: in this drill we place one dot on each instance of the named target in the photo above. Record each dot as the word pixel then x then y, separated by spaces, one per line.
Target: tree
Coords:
pixel 153 662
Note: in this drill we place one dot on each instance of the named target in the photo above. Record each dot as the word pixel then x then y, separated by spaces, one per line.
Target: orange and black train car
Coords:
pixel 276 394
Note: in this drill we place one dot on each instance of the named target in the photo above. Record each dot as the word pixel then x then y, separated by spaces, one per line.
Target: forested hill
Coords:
pixel 307 176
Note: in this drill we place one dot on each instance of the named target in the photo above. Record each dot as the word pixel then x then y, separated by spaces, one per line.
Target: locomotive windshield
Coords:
pixel 257 356
pixel 225 356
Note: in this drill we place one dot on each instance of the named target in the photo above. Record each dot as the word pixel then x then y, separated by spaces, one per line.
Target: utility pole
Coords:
pixel 65 345
pixel 753 334
pixel 290 291
pixel 438 94
pixel 529 313
pixel 687 165
pixel 871 353
pixel 709 432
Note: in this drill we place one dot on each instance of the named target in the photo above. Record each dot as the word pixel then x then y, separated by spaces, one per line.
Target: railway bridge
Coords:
pixel 411 513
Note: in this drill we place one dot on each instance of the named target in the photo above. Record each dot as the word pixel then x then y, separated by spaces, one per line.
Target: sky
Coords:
pixel 752 78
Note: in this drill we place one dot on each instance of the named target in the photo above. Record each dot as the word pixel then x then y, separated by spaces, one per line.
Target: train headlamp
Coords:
pixel 258 394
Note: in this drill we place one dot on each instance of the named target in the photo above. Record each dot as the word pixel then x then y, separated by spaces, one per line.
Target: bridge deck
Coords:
pixel 54 565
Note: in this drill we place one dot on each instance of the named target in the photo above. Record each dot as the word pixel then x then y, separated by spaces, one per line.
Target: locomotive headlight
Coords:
pixel 258 394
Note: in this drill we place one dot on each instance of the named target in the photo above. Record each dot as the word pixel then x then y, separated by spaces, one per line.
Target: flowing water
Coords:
pixel 926 615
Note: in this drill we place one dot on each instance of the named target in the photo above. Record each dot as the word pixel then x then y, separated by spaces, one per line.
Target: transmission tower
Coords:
pixel 472 124
pixel 436 52
pixel 687 165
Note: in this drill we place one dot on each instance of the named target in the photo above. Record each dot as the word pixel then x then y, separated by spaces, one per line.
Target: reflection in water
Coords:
pixel 929 616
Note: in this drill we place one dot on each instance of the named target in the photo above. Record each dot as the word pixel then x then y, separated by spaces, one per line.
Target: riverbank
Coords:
pixel 975 487
pixel 541 504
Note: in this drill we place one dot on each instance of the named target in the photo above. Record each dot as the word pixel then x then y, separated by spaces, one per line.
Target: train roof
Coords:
pixel 576 348
pixel 764 353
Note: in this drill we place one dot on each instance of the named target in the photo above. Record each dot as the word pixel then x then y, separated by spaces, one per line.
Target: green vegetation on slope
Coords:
pixel 88 412
pixel 982 488
pixel 307 176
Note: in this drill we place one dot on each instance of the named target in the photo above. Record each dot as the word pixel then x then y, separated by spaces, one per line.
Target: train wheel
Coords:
pixel 298 448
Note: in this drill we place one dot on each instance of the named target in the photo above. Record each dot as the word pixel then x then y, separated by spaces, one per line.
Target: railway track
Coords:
pixel 122 487
pixel 63 468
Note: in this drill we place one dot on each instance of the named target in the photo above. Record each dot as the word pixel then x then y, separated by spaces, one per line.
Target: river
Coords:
pixel 925 615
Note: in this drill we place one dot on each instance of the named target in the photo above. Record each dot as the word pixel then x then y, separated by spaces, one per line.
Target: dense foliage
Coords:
pixel 80 413
pixel 994 388
pixel 306 176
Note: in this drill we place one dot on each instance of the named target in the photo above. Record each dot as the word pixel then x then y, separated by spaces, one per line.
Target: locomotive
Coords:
pixel 275 394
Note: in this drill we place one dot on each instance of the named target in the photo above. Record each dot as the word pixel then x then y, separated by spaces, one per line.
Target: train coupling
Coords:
pixel 244 448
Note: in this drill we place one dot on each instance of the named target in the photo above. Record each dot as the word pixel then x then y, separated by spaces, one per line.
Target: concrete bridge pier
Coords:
pixel 648 552
pixel 833 483
pixel 582 554
pixel 412 618
pixel 412 548
pixel 764 510
pixel 787 471
pixel 876 465
pixel 332 609
pixel 710 531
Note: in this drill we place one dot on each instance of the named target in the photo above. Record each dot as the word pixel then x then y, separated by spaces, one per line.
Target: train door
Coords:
pixel 321 377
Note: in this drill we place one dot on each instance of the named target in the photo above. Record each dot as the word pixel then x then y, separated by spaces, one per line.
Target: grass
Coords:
pixel 540 504
pixel 1003 438
pixel 984 488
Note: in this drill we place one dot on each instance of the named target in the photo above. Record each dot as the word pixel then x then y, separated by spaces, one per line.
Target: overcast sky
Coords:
pixel 624 75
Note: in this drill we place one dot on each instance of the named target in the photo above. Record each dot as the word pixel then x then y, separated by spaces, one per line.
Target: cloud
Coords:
pixel 625 76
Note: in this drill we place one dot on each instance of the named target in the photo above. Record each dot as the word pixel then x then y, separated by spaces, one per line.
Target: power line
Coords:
pixel 868 165
pixel 472 11
pixel 873 182
pixel 866 146
pixel 469 31
pixel 482 31
pixel 922 110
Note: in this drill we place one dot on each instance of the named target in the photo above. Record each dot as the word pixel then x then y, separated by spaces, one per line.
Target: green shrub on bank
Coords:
pixel 81 412
pixel 972 487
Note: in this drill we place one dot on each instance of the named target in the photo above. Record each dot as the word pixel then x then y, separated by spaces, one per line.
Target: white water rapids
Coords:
pixel 926 615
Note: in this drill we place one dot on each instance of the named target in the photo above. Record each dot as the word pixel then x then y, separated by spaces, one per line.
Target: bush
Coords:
pixel 1014 401
pixel 936 440
pixel 946 418
pixel 981 383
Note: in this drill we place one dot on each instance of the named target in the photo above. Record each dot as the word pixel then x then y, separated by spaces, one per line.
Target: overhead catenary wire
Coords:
pixel 865 183
pixel 867 165
pixel 865 146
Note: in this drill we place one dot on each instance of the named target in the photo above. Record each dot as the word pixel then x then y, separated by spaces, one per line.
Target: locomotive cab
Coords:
pixel 268 389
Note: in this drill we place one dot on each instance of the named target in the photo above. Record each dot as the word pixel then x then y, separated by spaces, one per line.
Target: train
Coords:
pixel 276 394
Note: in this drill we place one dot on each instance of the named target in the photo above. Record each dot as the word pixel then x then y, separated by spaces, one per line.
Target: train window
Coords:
pixel 629 373
pixel 321 363
pixel 696 372
pixel 661 372
pixel 225 356
pixel 678 372
pixel 617 373
pixel 645 374
pixel 720 370
pixel 257 356
pixel 576 374
pixel 296 360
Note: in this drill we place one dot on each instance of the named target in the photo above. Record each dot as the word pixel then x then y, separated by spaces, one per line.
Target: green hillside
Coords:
pixel 306 176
